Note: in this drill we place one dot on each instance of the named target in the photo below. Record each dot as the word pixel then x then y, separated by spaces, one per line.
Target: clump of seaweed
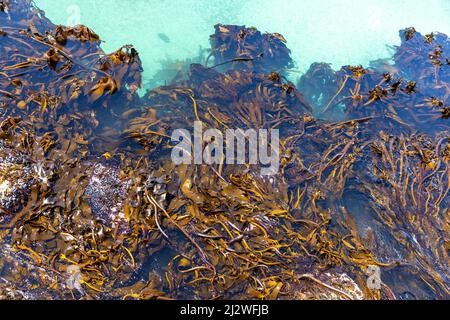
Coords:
pixel 100 210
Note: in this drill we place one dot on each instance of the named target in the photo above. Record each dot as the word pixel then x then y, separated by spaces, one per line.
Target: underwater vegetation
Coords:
pixel 92 207
pixel 174 70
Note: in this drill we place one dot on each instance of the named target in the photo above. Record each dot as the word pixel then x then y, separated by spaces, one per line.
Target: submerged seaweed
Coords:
pixel 91 205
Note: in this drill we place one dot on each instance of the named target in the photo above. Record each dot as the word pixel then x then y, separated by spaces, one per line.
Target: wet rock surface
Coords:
pixel 110 216
pixel 16 179
pixel 106 193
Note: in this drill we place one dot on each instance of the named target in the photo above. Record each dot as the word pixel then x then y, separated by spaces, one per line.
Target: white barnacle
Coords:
pixel 41 173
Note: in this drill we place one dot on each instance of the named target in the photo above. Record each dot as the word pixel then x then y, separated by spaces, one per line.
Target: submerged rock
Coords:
pixel 328 286
pixel 22 278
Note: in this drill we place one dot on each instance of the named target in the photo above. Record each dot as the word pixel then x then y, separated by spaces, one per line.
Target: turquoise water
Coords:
pixel 340 32
pixel 380 198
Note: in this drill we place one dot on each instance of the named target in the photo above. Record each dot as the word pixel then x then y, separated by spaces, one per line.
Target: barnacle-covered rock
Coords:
pixel 18 13
pixel 248 48
pixel 16 178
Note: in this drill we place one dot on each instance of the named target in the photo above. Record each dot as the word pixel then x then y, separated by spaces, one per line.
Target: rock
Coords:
pixel 16 179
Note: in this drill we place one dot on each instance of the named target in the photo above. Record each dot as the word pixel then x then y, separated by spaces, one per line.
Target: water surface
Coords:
pixel 340 32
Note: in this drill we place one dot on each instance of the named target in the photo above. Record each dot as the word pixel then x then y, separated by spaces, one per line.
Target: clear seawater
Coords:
pixel 340 32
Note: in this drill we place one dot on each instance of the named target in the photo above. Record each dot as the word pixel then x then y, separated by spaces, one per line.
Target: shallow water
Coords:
pixel 349 171
pixel 340 32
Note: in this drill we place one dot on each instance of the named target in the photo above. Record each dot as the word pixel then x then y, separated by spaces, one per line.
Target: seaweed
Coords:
pixel 91 205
